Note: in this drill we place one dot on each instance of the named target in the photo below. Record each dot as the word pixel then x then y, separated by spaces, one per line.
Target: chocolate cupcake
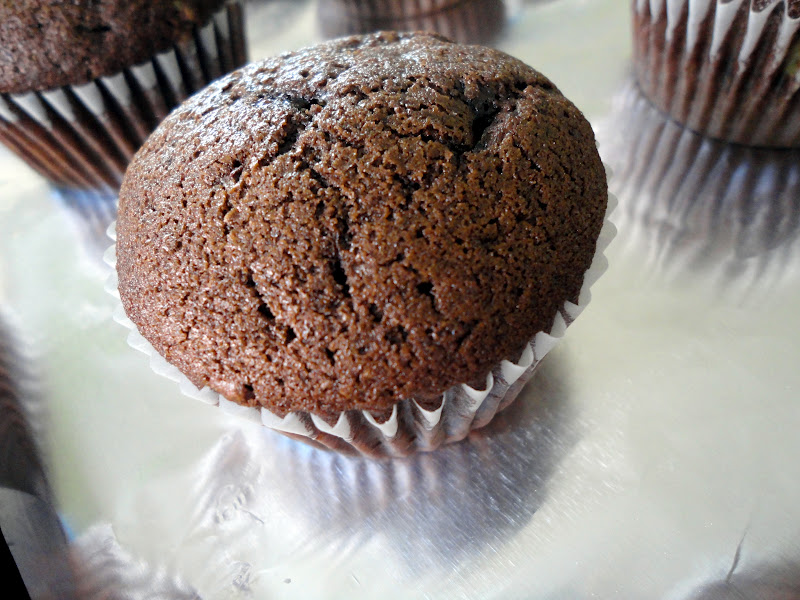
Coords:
pixel 729 69
pixel 82 84
pixel 369 243
pixel 467 21
pixel 392 9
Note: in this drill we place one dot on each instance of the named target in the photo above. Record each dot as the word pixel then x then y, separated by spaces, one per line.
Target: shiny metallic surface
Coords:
pixel 28 520
pixel 653 455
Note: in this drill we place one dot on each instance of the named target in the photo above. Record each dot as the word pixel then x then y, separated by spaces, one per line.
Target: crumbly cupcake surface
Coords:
pixel 368 220
pixel 52 43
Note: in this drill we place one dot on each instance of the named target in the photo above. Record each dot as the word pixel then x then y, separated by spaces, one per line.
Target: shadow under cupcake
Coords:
pixel 774 582
pixel 435 510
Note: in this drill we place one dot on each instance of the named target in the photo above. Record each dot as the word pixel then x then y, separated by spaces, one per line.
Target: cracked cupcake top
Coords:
pixel 367 220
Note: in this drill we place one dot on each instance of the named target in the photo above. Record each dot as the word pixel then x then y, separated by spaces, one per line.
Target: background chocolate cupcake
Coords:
pixel 466 21
pixel 82 84
pixel 393 9
pixel 354 248
pixel 729 69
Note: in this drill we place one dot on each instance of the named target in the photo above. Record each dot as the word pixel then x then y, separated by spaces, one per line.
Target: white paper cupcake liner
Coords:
pixel 410 428
pixel 83 136
pixel 721 67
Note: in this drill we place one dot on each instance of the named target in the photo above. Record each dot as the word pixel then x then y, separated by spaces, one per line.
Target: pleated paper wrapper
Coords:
pixel 723 68
pixel 83 136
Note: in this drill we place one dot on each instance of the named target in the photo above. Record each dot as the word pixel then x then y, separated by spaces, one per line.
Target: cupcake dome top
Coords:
pixel 51 43
pixel 368 220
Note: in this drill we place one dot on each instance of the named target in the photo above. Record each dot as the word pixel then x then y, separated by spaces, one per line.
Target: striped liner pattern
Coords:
pixel 83 136
pixel 722 67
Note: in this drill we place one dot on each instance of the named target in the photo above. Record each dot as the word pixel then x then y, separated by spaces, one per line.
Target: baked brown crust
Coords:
pixel 372 219
pixel 46 44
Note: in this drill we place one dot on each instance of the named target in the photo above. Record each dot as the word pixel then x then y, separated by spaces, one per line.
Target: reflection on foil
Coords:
pixel 27 518
pixel 91 211
pixel 106 571
pixel 263 17
pixel 694 205
pixel 466 21
pixel 434 510
pixel 20 410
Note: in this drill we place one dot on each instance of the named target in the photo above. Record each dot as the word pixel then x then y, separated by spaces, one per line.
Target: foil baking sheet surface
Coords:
pixel 653 455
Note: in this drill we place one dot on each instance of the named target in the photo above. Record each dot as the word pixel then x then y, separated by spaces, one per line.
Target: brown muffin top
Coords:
pixel 368 220
pixel 50 43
